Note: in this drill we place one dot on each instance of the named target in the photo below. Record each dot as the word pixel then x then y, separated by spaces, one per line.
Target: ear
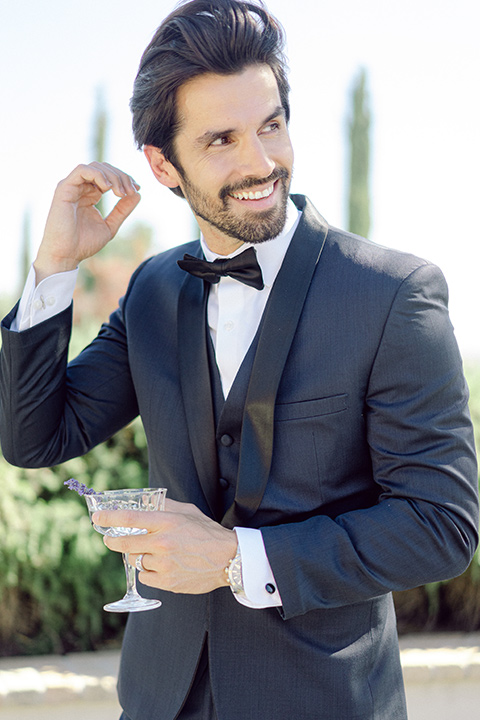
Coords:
pixel 163 170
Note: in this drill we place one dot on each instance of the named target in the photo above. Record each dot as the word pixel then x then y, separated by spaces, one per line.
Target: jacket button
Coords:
pixel 226 440
pixel 223 483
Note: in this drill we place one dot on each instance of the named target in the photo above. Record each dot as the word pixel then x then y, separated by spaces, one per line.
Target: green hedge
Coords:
pixel 56 572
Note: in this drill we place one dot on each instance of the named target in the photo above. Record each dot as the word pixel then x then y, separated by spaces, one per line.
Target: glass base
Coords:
pixel 128 604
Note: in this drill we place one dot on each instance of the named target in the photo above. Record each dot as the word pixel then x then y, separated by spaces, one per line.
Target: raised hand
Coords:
pixel 75 229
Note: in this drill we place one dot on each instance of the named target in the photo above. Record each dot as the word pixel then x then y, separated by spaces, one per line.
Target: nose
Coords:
pixel 254 160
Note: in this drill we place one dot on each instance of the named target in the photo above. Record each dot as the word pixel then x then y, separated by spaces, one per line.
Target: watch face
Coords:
pixel 235 574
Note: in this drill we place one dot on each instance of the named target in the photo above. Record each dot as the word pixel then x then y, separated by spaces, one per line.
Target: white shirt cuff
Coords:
pixel 258 581
pixel 51 296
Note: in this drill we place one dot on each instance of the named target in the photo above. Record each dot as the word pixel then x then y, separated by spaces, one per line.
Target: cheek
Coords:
pixel 215 174
pixel 286 153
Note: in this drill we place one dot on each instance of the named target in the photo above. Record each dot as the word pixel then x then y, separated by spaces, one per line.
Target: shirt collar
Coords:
pixel 270 254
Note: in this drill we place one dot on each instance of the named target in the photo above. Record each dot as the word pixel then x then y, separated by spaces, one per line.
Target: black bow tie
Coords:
pixel 243 267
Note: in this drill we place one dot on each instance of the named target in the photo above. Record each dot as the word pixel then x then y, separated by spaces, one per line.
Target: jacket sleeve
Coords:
pixel 51 412
pixel 420 438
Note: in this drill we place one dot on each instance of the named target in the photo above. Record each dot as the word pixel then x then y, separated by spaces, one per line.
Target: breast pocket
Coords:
pixel 311 408
pixel 306 445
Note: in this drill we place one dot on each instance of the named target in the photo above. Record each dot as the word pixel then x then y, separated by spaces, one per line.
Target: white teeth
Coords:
pixel 253 195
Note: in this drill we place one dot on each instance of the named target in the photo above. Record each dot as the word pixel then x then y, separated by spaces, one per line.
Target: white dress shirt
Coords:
pixel 234 312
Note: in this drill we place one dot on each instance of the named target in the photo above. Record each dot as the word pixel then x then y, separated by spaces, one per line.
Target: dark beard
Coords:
pixel 256 228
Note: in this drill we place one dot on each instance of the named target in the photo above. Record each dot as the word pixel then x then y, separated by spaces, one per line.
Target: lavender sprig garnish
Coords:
pixel 79 487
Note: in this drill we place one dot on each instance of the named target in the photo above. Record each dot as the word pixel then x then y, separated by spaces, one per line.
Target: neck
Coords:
pixel 216 241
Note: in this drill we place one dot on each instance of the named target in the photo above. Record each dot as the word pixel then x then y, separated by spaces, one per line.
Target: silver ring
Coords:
pixel 139 564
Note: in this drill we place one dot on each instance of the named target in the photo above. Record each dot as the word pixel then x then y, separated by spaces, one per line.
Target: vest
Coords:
pixel 228 420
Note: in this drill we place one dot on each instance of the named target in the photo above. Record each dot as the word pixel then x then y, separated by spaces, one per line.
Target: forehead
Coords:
pixel 213 102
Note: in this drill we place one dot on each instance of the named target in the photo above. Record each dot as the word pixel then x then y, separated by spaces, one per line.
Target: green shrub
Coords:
pixel 56 572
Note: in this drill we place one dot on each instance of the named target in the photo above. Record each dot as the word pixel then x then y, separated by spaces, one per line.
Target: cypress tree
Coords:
pixel 99 136
pixel 359 136
pixel 25 249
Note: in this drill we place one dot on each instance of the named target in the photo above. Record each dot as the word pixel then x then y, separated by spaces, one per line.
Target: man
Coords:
pixel 309 420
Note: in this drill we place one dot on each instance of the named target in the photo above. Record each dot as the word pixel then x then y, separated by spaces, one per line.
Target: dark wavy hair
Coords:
pixel 201 36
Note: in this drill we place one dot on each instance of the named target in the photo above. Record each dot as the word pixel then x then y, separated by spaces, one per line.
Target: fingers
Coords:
pixel 149 545
pixel 106 177
pixel 153 521
pixel 145 565
pixel 100 177
pixel 121 211
pixel 132 544
pixel 150 520
pixel 111 178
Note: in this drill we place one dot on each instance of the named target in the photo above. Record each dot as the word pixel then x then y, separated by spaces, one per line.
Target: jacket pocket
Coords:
pixel 311 408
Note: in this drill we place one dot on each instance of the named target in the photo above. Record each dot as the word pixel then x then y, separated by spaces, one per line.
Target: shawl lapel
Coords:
pixel 196 386
pixel 279 323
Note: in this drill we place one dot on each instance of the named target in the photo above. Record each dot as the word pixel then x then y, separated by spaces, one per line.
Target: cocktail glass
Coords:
pixel 143 499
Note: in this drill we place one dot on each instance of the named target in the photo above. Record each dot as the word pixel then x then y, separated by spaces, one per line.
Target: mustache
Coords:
pixel 248 183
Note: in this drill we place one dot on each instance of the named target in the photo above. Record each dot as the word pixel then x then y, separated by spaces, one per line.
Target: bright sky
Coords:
pixel 423 61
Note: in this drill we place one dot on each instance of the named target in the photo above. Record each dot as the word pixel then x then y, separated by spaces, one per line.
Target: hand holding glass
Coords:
pixel 142 499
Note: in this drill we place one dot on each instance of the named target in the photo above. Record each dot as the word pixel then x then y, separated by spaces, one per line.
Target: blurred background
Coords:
pixel 59 58
pixel 385 127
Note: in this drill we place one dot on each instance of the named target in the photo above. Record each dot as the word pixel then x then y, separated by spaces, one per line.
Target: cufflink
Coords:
pixel 270 588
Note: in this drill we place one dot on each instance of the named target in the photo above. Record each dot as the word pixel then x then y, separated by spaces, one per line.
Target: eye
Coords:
pixel 218 142
pixel 271 127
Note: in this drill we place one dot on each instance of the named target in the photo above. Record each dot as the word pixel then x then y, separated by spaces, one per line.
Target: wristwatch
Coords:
pixel 233 572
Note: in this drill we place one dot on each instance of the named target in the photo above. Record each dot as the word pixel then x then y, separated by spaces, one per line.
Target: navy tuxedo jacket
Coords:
pixel 356 460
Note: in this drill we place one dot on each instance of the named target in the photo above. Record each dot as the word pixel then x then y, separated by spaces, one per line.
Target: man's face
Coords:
pixel 234 156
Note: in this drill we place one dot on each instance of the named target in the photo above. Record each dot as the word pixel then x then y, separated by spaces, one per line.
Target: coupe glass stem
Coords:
pixel 131 577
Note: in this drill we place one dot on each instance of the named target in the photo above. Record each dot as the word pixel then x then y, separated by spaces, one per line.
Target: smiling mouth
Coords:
pixel 250 195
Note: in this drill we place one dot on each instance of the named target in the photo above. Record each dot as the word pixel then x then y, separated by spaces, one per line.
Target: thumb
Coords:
pixel 121 211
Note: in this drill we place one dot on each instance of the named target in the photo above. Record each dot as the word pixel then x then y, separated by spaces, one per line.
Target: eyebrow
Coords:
pixel 211 135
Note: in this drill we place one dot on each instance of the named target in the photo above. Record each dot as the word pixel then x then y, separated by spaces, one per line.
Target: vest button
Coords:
pixel 226 440
pixel 223 483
